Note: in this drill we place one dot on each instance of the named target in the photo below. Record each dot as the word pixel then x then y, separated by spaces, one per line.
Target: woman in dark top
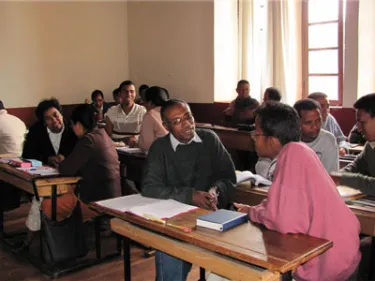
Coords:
pixel 95 159
pixel 50 138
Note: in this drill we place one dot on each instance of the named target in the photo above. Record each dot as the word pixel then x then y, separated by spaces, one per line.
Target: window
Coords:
pixel 322 22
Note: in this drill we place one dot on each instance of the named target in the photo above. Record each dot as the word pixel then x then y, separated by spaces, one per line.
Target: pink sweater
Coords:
pixel 304 199
pixel 151 129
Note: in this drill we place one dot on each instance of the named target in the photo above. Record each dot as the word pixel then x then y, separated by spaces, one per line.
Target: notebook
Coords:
pixel 222 220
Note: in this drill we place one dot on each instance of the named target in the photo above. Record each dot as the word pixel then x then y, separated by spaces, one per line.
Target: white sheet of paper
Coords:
pixel 129 149
pixel 163 209
pixel 41 170
pixel 125 203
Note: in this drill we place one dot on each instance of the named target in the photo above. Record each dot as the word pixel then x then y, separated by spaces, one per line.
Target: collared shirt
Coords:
pixel 55 138
pixel 175 142
pixel 12 133
pixel 372 144
pixel 125 125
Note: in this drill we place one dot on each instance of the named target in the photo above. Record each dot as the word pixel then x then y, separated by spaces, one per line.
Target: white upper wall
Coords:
pixel 171 44
pixel 61 49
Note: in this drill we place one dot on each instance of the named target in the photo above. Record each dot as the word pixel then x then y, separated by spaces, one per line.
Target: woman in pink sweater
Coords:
pixel 152 125
pixel 303 198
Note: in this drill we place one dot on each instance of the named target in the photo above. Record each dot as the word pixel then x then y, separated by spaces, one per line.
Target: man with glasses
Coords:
pixel 190 166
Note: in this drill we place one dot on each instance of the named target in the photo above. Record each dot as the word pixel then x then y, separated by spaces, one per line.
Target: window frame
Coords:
pixel 306 50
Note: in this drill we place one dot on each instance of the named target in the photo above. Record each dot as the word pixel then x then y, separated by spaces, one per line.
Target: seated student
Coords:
pixel 95 159
pixel 152 125
pixel 98 103
pixel 355 136
pixel 12 135
pixel 116 97
pixel 329 122
pixel 51 138
pixel 271 94
pixel 123 122
pixel 360 174
pixel 12 132
pixel 303 191
pixel 301 197
pixel 321 141
pixel 190 166
pixel 141 91
pixel 241 110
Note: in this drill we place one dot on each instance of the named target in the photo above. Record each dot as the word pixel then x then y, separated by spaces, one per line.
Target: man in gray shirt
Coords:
pixel 360 174
pixel 321 141
pixel 329 122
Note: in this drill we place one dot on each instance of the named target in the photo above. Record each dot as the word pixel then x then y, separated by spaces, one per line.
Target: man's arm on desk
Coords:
pixel 360 163
pixel 358 181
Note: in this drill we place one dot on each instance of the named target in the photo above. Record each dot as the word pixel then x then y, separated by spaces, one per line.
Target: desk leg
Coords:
pixel 1 221
pixel 202 274
pixel 371 273
pixel 127 273
pixel 53 202
pixel 287 276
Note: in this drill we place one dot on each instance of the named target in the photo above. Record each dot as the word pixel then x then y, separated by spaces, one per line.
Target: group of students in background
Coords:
pixel 192 166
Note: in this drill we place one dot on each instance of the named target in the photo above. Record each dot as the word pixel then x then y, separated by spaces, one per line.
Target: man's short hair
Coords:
pixel 46 104
pixel 95 94
pixel 243 81
pixel 116 92
pixel 273 94
pixel 125 83
pixel 143 87
pixel 366 103
pixel 279 120
pixel 168 104
pixel 306 104
pixel 1 105
pixel 317 95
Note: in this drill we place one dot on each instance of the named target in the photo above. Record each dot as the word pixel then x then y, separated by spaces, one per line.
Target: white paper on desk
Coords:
pixel 256 179
pixel 129 149
pixel 40 170
pixel 125 203
pixel 164 209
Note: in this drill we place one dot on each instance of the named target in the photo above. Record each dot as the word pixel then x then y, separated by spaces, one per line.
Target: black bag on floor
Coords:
pixel 64 240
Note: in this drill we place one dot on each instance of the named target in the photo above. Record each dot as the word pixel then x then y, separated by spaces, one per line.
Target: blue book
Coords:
pixel 222 220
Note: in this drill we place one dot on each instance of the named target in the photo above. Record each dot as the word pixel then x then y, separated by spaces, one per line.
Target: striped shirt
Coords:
pixel 125 125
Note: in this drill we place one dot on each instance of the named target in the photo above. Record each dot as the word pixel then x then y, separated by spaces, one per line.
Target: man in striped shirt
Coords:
pixel 123 122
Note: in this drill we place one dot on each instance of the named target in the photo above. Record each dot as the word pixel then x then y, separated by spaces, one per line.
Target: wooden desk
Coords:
pixel 249 243
pixel 231 137
pixel 133 163
pixel 44 185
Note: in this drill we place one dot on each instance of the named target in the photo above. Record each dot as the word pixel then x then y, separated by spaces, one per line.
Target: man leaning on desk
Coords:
pixel 190 166
pixel 360 173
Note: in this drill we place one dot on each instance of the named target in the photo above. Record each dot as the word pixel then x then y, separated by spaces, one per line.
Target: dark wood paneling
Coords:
pixel 213 113
pixel 203 112
pixel 27 114
pixel 208 112
pixel 345 117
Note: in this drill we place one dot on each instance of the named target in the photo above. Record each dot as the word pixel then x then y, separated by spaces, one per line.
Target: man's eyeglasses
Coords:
pixel 254 135
pixel 179 120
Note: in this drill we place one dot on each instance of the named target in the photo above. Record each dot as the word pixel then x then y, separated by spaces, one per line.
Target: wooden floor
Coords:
pixel 15 268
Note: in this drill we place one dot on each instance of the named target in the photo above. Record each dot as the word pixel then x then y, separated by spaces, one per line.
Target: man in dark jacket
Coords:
pixel 189 166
